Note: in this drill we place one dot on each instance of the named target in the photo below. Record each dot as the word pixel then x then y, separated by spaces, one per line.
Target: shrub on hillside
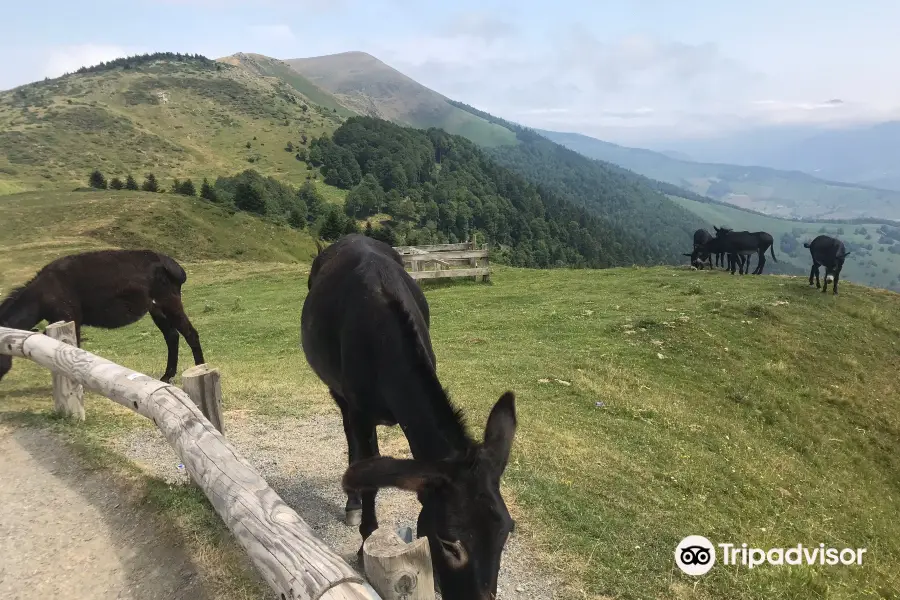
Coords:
pixel 97 180
pixel 130 183
pixel 150 184
pixel 116 184
pixel 207 192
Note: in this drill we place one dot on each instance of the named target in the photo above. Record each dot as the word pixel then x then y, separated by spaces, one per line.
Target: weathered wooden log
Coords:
pixel 397 570
pixel 68 395
pixel 284 549
pixel 202 384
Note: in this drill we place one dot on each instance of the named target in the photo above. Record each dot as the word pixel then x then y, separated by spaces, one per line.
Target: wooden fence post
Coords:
pixel 397 570
pixel 68 395
pixel 201 383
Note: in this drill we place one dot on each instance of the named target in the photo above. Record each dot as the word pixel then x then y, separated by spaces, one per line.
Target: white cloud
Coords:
pixel 273 33
pixel 479 25
pixel 630 88
pixel 67 59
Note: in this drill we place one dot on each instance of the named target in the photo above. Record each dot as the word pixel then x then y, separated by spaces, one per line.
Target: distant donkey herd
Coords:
pixel 365 333
pixel 739 246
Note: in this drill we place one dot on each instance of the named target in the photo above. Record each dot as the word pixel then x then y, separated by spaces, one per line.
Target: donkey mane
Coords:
pixel 438 395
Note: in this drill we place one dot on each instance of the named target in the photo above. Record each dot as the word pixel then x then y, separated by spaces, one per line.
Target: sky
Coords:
pixel 628 71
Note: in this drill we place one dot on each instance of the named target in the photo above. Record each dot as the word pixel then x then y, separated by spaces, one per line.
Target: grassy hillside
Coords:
pixel 271 67
pixel 779 193
pixel 653 402
pixel 41 226
pixel 369 87
pixel 879 267
pixel 175 118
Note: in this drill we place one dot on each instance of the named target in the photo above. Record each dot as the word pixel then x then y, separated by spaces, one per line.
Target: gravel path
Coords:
pixel 303 460
pixel 66 532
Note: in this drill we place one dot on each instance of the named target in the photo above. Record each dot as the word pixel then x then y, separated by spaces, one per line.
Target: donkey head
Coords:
pixel 722 231
pixel 463 514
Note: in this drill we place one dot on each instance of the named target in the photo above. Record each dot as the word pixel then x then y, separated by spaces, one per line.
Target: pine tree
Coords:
pixel 176 186
pixel 150 184
pixel 250 197
pixel 207 192
pixel 130 183
pixel 97 180
pixel 116 184
pixel 187 188
pixel 332 225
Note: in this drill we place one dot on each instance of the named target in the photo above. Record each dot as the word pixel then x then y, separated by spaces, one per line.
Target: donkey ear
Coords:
pixel 383 471
pixel 500 430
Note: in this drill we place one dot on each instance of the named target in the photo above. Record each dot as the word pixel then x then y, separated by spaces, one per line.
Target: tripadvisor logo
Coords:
pixel 696 555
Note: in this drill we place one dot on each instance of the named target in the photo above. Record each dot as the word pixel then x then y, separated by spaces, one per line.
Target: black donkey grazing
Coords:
pixel 828 252
pixel 365 333
pixel 108 289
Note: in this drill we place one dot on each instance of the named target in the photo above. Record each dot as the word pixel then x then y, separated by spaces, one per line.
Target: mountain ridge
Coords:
pixel 789 194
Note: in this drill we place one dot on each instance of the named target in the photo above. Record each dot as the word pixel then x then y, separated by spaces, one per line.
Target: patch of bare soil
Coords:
pixel 68 532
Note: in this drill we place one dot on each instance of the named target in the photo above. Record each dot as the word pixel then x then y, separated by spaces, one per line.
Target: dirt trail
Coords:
pixel 68 532
pixel 303 460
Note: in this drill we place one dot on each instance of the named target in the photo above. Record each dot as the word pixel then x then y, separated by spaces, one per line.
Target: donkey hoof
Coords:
pixel 353 518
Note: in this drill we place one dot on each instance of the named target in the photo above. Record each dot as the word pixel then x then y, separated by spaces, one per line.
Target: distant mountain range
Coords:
pixel 861 154
pixel 789 194
pixel 368 86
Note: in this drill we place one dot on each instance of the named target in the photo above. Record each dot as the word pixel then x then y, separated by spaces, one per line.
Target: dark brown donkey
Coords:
pixel 108 289
pixel 365 333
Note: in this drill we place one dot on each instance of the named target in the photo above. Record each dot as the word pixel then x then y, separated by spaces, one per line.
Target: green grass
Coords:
pixel 275 68
pixel 744 409
pixel 175 120
pixel 771 418
pixel 879 268
pixel 41 226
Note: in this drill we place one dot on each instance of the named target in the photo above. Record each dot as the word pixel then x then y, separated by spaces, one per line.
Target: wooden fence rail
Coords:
pixel 294 562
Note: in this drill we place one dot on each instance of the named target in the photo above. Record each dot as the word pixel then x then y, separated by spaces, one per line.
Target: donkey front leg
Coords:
pixel 170 334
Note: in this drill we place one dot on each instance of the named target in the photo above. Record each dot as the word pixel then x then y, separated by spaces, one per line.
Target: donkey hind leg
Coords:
pixel 367 438
pixel 759 264
pixel 174 311
pixel 353 508
pixel 171 336
pixel 811 270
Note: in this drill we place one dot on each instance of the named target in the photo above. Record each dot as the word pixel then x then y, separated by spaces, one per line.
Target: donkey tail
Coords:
pixel 772 251
pixel 173 269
